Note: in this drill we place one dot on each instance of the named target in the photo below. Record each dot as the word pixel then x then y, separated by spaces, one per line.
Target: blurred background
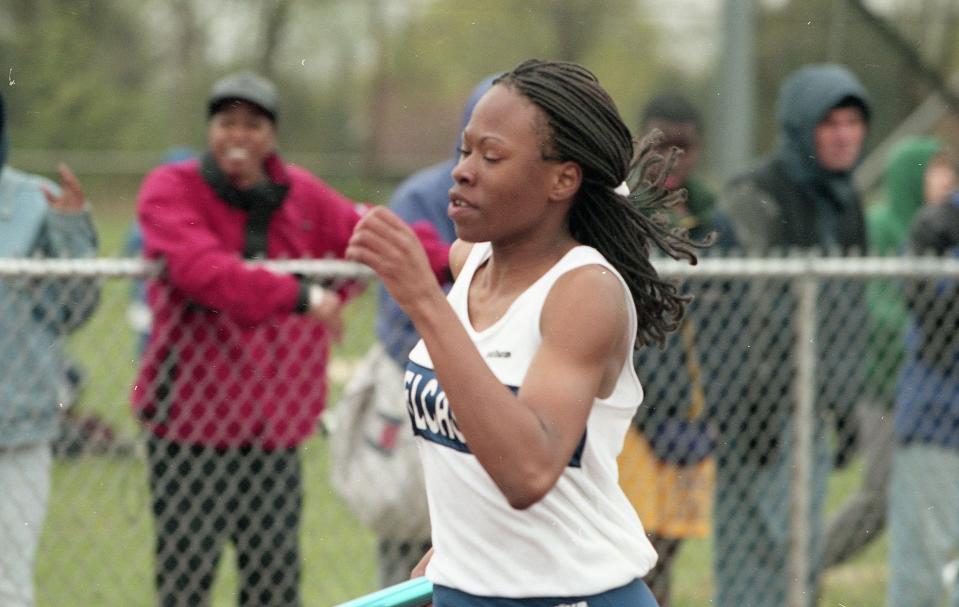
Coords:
pixel 372 90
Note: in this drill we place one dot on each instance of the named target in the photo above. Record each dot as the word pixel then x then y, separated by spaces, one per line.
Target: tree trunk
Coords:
pixel 275 18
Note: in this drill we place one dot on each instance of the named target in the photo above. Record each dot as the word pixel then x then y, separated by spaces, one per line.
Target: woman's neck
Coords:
pixel 516 265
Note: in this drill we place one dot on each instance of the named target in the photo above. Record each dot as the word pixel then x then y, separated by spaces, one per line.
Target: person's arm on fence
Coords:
pixel 197 262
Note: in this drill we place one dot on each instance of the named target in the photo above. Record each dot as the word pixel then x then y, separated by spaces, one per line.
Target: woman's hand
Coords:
pixel 384 242
pixel 420 569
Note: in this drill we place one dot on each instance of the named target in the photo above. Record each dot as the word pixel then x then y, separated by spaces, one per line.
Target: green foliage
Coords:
pixel 70 85
pixel 357 77
pixel 452 45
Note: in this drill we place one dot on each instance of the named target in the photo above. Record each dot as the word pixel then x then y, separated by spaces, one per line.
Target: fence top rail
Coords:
pixel 812 267
pixel 713 267
pixel 107 267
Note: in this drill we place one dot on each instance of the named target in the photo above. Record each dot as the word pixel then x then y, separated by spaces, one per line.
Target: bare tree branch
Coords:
pixel 909 53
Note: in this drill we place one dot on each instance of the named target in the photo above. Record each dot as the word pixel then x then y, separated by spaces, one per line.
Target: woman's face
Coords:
pixel 502 185
pixel 241 138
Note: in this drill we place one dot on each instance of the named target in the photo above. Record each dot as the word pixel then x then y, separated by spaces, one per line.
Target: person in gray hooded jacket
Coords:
pixel 37 219
pixel 801 197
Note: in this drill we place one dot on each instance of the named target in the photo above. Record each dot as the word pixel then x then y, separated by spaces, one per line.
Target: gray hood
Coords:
pixel 804 100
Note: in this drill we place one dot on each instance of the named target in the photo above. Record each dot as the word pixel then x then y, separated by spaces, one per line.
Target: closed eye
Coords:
pixel 463 153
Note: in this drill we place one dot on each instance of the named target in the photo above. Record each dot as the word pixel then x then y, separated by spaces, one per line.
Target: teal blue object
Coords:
pixel 412 593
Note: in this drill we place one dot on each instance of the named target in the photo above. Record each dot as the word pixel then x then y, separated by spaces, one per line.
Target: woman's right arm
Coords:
pixel 523 440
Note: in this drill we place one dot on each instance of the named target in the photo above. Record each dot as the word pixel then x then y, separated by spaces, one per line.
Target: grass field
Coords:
pixel 96 544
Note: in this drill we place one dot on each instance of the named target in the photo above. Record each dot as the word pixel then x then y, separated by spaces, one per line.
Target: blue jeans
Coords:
pixel 634 594
pixel 923 524
pixel 751 522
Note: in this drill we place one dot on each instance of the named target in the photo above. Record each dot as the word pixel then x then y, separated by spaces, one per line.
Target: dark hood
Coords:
pixel 804 100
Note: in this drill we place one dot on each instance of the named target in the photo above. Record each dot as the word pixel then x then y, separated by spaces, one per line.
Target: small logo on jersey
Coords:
pixel 498 354
pixel 579 604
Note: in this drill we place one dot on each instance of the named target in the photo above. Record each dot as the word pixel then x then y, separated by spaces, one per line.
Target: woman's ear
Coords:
pixel 567 179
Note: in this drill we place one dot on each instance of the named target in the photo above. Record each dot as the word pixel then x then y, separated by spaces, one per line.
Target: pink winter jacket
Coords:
pixel 229 361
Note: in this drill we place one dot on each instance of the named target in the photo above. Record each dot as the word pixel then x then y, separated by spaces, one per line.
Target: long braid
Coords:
pixel 585 127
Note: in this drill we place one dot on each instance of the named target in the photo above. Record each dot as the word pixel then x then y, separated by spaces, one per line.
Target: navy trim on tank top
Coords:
pixel 431 416
pixel 633 594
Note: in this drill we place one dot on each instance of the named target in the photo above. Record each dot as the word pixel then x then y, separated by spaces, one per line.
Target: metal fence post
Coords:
pixel 807 288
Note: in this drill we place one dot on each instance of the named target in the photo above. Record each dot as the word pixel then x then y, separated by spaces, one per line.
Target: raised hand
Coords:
pixel 71 198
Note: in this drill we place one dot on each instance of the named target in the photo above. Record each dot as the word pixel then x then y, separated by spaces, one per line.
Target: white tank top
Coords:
pixel 584 536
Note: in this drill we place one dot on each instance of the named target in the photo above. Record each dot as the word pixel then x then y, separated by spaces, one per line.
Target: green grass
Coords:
pixel 97 541
pixel 858 583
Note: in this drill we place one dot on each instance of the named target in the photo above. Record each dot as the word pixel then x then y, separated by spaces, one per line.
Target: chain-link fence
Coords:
pixel 762 454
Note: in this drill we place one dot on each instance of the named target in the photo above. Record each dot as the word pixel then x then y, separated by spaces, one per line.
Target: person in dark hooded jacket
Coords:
pixel 801 196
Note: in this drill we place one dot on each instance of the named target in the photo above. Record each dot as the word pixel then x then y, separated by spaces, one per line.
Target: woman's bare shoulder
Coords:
pixel 459 251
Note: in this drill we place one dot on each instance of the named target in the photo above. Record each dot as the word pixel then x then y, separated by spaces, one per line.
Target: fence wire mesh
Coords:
pixel 224 450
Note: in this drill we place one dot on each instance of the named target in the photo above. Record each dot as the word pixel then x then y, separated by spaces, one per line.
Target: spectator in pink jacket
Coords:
pixel 234 373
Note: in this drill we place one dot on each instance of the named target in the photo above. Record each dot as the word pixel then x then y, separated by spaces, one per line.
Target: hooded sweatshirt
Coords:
pixel 810 206
pixel 789 201
pixel 887 224
pixel 37 313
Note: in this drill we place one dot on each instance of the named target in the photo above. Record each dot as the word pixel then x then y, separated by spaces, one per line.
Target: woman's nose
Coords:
pixel 461 172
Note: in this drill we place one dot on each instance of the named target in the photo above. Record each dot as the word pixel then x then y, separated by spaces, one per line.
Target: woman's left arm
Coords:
pixel 584 325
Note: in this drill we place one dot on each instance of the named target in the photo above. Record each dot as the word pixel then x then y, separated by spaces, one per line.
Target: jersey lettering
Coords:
pixel 433 419
pixel 429 409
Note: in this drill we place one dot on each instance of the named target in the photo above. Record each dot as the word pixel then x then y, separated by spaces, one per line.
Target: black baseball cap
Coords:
pixel 248 87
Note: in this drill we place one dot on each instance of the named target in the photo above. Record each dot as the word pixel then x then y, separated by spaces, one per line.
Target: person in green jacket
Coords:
pixel 919 171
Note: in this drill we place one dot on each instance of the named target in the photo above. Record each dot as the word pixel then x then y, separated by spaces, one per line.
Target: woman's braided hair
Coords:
pixel 585 127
